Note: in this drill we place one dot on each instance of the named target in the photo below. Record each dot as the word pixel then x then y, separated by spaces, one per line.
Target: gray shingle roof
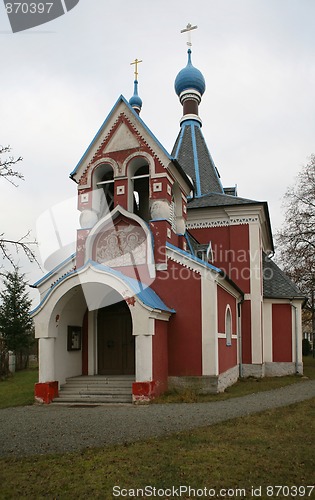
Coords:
pixel 191 152
pixel 276 284
pixel 217 200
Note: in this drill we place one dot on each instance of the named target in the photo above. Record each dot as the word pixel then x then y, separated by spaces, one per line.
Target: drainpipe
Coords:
pixel 240 344
pixel 296 338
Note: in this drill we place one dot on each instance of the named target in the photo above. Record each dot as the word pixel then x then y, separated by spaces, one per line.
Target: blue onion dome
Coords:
pixel 135 101
pixel 190 78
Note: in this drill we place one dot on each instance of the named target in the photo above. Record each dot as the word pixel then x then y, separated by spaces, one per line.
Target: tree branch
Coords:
pixel 6 170
pixel 20 245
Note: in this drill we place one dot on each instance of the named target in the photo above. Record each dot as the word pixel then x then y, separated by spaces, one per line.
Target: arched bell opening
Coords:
pixel 103 185
pixel 139 187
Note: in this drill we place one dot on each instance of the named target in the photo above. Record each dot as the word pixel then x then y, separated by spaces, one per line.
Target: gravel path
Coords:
pixel 34 430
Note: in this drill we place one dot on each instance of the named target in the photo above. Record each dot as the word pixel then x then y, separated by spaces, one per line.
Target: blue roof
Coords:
pixel 135 100
pixel 148 296
pixel 190 78
pixel 53 271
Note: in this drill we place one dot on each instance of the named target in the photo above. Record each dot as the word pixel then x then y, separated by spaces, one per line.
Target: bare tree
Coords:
pixel 25 244
pixel 296 240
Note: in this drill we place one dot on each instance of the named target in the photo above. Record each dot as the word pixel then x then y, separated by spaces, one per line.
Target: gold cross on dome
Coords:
pixel 189 28
pixel 136 62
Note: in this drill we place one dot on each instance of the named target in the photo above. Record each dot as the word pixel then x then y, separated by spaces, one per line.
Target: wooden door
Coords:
pixel 115 342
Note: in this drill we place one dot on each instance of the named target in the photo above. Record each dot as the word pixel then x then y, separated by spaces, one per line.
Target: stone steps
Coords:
pixel 96 390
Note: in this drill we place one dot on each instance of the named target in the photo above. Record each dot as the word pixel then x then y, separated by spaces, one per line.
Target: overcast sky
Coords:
pixel 60 80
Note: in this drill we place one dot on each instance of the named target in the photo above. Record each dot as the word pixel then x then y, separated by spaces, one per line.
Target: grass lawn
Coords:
pixel 271 448
pixel 309 366
pixel 18 389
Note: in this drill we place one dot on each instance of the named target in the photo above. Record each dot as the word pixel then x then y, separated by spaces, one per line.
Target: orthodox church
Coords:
pixel 172 284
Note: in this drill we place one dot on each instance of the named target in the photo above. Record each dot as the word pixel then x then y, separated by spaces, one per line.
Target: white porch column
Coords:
pixel 47 359
pixel 144 358
pixel 92 354
pixel 144 355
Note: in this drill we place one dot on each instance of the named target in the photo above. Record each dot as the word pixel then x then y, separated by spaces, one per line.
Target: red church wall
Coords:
pixel 230 245
pixel 220 238
pixel 240 262
pixel 138 272
pixel 162 194
pixel 158 229
pixel 180 288
pixel 282 332
pixel 121 199
pixel 86 195
pixel 160 358
pixel 246 332
pixel 227 353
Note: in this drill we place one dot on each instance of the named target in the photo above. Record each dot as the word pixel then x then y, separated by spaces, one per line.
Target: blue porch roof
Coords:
pixel 144 292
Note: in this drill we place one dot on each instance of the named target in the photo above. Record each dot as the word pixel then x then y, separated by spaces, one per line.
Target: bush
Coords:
pixel 306 347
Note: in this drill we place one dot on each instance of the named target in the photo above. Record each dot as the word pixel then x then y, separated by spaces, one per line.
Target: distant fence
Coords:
pixel 21 361
pixel 10 362
pixel 4 360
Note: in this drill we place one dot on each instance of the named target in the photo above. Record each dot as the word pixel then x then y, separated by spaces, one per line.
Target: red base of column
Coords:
pixel 143 392
pixel 45 392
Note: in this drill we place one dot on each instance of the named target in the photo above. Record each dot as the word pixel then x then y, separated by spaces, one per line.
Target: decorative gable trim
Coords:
pixel 207 223
pixel 233 221
pixel 103 151
pixel 101 154
pixel 140 138
pixel 209 217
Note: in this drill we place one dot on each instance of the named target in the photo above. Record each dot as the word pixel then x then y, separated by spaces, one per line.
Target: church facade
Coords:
pixel 172 283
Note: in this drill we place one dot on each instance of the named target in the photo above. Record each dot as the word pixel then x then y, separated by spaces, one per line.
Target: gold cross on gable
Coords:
pixel 136 62
pixel 189 28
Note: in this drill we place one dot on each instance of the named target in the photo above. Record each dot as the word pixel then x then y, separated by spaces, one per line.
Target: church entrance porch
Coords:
pixel 117 327
pixel 115 342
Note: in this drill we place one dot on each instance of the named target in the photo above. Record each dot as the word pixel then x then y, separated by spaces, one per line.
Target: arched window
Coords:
pixel 103 185
pixel 228 325
pixel 139 178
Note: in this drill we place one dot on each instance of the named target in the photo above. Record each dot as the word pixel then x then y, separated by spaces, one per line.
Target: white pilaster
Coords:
pixel 297 332
pixel 256 292
pixel 267 326
pixel 209 325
